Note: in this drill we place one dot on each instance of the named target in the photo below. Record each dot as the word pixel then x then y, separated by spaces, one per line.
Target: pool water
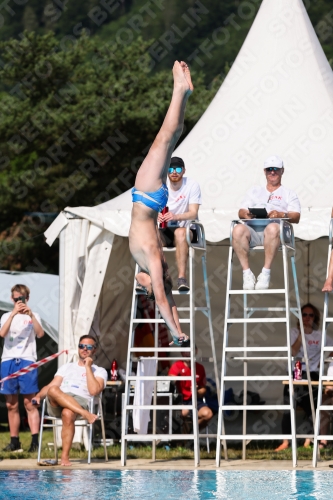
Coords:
pixel 165 484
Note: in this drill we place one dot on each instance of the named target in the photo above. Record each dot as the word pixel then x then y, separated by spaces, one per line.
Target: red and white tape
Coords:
pixel 33 366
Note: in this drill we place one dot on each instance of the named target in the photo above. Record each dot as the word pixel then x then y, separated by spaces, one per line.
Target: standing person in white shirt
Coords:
pixel 280 202
pixel 69 393
pixel 183 203
pixel 19 329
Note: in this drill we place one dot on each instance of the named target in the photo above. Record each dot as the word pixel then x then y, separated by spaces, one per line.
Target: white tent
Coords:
pixel 276 99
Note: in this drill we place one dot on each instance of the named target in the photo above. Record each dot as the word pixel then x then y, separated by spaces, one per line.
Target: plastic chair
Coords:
pixel 95 406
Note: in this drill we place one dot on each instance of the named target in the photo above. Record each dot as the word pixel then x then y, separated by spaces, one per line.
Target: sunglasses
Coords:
pixel 21 298
pixel 178 170
pixel 311 315
pixel 272 169
pixel 89 347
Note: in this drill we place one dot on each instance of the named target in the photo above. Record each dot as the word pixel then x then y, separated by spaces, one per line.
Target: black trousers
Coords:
pixel 302 399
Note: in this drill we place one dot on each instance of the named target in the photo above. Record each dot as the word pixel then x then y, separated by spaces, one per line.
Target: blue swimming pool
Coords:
pixel 165 484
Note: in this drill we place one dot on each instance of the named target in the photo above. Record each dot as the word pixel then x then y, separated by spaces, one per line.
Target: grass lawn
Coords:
pixel 255 450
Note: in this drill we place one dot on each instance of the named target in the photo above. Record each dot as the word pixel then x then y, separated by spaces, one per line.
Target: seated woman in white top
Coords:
pixel 313 336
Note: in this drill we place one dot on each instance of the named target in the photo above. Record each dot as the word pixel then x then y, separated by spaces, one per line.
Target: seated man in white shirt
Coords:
pixel 183 203
pixel 280 202
pixel 69 393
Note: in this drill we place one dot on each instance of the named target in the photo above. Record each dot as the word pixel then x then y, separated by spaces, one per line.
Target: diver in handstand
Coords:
pixel 150 196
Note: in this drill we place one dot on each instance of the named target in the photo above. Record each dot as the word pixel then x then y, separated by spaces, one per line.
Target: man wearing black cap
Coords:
pixel 183 203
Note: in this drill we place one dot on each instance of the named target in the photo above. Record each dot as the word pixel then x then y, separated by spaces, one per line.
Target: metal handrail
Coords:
pixel 284 225
pixel 201 244
pixel 330 234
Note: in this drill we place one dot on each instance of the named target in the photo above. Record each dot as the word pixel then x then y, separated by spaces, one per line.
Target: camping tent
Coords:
pixel 276 99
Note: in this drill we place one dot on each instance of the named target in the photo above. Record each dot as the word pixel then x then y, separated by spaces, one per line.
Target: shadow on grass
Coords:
pixel 256 450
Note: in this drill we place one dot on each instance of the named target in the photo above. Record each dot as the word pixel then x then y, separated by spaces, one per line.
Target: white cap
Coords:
pixel 273 161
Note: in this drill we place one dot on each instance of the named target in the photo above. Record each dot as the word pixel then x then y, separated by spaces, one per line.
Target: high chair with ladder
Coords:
pixel 323 379
pixel 160 353
pixel 244 354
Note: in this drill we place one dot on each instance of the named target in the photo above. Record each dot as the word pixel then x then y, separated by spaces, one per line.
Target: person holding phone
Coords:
pixel 280 203
pixel 19 329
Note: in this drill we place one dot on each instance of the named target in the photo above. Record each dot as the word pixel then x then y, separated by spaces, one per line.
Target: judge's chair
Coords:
pixel 47 421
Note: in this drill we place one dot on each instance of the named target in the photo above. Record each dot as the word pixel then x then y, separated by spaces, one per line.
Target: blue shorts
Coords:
pixel 200 404
pixel 156 200
pixel 24 384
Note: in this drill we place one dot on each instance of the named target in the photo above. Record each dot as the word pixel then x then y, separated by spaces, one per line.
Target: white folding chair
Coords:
pixel 95 406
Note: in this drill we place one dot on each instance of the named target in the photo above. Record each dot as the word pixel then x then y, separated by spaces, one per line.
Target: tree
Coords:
pixel 77 120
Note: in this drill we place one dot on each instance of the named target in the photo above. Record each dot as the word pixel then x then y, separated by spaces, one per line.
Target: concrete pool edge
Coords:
pixel 148 464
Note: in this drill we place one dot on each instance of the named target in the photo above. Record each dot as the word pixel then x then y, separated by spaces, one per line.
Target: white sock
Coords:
pixel 247 272
pixel 265 271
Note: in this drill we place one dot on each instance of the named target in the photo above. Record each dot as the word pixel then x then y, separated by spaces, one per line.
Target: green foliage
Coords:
pixel 208 34
pixel 178 29
pixel 76 124
pixel 85 89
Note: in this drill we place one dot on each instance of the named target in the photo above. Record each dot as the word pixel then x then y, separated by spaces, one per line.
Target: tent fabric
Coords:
pixel 143 393
pixel 82 271
pixel 276 99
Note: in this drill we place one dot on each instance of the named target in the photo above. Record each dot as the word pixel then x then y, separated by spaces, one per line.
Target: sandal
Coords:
pixel 48 462
pixel 322 446
pixel 142 290
pixel 180 341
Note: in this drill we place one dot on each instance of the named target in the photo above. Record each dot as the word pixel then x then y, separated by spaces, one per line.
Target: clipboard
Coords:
pixel 259 213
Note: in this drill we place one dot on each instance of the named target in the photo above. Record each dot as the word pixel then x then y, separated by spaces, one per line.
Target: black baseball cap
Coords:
pixel 177 162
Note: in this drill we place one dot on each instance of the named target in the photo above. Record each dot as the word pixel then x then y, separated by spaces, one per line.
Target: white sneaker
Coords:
pixel 263 281
pixel 249 281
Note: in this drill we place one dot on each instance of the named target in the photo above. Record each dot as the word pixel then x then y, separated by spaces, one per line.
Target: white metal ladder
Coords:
pixel 191 309
pixel 288 249
pixel 322 377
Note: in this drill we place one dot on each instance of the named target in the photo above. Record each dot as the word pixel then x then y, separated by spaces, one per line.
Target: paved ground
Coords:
pixel 170 464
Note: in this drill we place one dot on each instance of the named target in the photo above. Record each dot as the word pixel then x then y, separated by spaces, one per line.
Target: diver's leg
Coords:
pixel 153 169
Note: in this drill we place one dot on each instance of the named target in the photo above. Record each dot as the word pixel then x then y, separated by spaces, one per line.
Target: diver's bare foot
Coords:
pixel 65 462
pixel 182 77
pixel 90 417
pixel 187 74
pixel 328 285
pixel 283 446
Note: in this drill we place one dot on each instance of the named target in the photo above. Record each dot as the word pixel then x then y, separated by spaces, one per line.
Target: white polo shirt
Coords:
pixel 281 200
pixel 75 379
pixel 313 346
pixel 20 341
pixel 179 201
